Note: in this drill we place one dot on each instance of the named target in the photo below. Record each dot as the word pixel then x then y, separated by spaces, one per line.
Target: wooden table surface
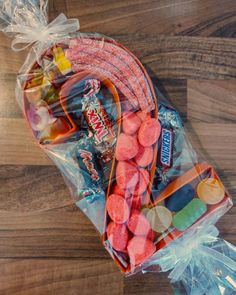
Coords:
pixel 47 246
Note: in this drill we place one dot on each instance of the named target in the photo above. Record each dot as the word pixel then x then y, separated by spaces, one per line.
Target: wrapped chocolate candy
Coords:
pixel 123 151
pixel 98 119
pixel 88 163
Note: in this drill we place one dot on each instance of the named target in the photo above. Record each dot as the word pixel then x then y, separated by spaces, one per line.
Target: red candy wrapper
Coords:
pixel 123 150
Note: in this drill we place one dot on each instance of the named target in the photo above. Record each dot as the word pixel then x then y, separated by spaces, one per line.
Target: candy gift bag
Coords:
pixel 122 150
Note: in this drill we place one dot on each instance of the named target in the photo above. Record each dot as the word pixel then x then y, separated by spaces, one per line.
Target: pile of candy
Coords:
pixel 129 229
pixel 90 98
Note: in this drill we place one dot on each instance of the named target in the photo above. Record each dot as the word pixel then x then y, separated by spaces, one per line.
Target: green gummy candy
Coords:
pixel 189 214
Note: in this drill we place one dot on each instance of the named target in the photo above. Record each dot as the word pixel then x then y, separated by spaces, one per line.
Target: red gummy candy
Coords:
pixel 131 122
pixel 127 175
pixel 117 235
pixel 117 208
pixel 142 184
pixel 118 191
pixel 144 156
pixel 140 249
pixel 127 147
pixel 138 224
pixel 149 132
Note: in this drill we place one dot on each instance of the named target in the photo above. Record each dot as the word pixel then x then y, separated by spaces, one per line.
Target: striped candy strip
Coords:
pixel 110 59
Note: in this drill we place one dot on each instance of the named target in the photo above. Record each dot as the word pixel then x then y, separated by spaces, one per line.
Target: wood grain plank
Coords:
pixel 211 124
pixel 175 91
pixel 147 284
pixel 71 277
pixel 17 144
pixel 216 141
pixel 11 61
pixel 185 57
pixel 9 107
pixel 58 233
pixel 32 189
pixel 212 101
pixel 185 17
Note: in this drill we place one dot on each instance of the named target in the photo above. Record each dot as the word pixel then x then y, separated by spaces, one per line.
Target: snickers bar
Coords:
pixel 166 147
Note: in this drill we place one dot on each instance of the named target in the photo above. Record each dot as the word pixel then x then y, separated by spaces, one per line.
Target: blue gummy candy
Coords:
pixel 179 199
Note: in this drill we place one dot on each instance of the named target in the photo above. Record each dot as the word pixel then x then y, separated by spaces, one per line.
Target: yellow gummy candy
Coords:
pixel 63 64
pixel 211 191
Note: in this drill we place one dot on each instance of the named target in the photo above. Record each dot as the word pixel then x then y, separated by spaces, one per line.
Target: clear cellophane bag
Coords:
pixel 122 150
